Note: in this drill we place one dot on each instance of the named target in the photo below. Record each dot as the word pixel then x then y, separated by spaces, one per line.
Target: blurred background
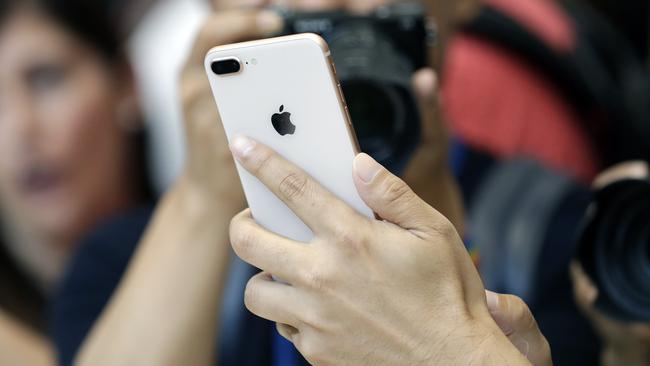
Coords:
pixel 539 98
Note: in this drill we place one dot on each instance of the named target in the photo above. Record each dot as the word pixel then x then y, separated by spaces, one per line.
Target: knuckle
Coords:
pixel 293 186
pixel 313 319
pixel 251 296
pixel 397 191
pixel 310 350
pixel 352 240
pixel 445 229
pixel 318 279
pixel 261 161
pixel 284 331
pixel 520 313
pixel 241 237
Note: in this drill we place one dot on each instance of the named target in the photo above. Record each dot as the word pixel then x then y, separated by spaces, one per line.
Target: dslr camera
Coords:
pixel 375 56
pixel 614 249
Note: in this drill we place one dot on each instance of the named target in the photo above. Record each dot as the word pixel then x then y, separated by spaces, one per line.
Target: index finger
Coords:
pixel 300 192
pixel 232 26
pixel 266 250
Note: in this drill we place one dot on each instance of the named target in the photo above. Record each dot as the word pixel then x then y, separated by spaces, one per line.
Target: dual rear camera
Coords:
pixel 226 66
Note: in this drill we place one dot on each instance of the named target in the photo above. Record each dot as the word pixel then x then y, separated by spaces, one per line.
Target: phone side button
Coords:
pixel 347 114
pixel 341 93
pixel 331 60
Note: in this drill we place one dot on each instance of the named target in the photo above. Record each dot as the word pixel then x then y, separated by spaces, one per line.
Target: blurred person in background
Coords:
pixel 572 100
pixel 76 314
pixel 124 302
pixel 157 44
pixel 631 20
pixel 624 342
pixel 71 154
pixel 163 310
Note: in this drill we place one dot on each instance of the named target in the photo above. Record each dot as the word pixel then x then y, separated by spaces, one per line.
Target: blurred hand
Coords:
pixel 627 170
pixel 624 343
pixel 184 249
pixel 21 345
pixel 428 172
pixel 365 292
pixel 210 167
pixel 516 321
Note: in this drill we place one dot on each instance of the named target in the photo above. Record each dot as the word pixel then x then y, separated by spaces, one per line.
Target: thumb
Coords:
pixel 517 322
pixel 425 85
pixel 392 199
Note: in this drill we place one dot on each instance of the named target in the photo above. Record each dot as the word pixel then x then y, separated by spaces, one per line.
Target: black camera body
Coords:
pixel 375 56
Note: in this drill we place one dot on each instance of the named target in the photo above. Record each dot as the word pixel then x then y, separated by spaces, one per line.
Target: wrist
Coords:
pixel 491 347
pixel 197 200
pixel 477 341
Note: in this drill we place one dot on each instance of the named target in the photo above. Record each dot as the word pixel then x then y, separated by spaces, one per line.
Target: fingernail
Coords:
pixel 242 146
pixel 269 22
pixel 492 301
pixel 425 82
pixel 366 168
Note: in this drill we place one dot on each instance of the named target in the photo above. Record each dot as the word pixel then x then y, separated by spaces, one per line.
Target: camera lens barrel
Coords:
pixel 614 249
pixel 376 79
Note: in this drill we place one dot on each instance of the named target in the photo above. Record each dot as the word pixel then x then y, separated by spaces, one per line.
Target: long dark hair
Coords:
pixel 92 22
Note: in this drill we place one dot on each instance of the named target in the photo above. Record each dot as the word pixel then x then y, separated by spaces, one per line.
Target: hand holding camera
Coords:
pixel 210 167
pixel 611 278
pixel 381 59
pixel 206 196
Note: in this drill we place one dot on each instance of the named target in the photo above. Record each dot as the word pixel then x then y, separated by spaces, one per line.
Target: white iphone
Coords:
pixel 284 93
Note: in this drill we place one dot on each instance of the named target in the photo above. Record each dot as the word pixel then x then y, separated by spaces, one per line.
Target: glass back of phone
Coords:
pixel 287 98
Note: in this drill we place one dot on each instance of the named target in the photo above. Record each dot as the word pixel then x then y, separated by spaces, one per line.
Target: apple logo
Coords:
pixel 282 123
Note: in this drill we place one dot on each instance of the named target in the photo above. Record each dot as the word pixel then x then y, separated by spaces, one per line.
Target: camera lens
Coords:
pixel 376 80
pixel 376 55
pixel 377 112
pixel 225 67
pixel 615 249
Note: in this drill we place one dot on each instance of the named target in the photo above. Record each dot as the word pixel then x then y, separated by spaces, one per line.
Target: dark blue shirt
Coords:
pixel 97 269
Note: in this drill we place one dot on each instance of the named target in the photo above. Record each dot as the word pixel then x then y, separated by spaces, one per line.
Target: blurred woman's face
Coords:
pixel 63 154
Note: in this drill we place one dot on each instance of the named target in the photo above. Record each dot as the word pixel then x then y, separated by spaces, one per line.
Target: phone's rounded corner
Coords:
pixel 207 60
pixel 319 41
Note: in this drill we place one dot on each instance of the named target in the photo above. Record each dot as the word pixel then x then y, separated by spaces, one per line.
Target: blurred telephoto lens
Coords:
pixel 379 115
pixel 224 67
pixel 614 249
